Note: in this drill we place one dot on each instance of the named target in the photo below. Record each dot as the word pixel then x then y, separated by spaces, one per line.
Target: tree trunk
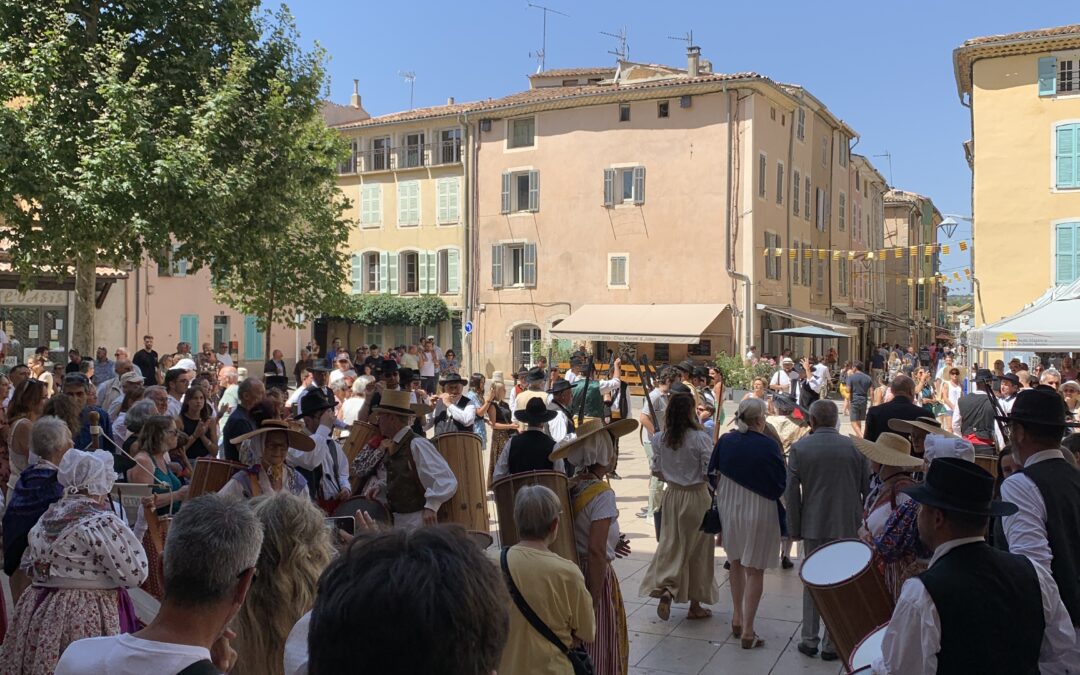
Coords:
pixel 82 329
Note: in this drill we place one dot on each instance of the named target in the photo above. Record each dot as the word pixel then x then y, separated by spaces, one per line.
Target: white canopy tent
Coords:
pixel 1049 324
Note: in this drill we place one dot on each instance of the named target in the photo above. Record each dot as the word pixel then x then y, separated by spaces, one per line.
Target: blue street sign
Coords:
pixel 468 327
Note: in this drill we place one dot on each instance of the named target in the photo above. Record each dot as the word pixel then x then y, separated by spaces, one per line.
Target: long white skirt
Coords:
pixel 751 525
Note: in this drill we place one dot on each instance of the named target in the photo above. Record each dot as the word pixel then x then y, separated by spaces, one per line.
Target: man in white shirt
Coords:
pixel 18 374
pixel 326 464
pixel 817 380
pixel 561 394
pixel 223 355
pixel 785 380
pixel 1009 386
pixel 213 546
pixel 976 609
pixel 453 412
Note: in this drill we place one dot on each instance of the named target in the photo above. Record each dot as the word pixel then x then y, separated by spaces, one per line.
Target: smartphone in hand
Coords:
pixel 343 523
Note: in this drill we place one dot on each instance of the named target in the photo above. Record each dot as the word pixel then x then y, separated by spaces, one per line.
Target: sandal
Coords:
pixel 752 642
pixel 701 613
pixel 736 630
pixel 663 609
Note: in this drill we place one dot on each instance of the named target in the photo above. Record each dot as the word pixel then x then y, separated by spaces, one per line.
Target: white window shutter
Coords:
pixel 422 271
pixel 609 187
pixel 529 274
pixel 356 273
pixel 453 285
pixel 432 271
pixel 534 190
pixel 402 203
pixel 392 273
pixel 505 204
pixel 384 272
pixel 497 265
pixel 639 185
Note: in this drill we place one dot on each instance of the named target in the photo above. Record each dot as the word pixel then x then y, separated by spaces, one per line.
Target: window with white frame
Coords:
pixel 409 266
pixel 520 191
pixel 370 272
pixel 524 338
pixel 842 217
pixel 449 151
pixel 763 168
pixel 772 255
pixel 408 195
pixel 412 154
pixel 448 201
pixel 779 182
pixel 625 185
pixel 449 271
pixel 618 270
pixel 513 264
pixel 350 163
pixel 1068 75
pixel 522 132
pixel 1067 156
pixel 806 197
pixel 380 154
pixel 800 127
pixel 796 188
pixel 796 259
pixel 371 205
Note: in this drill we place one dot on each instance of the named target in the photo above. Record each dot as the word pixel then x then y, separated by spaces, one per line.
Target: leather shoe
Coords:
pixel 809 651
pixel 829 656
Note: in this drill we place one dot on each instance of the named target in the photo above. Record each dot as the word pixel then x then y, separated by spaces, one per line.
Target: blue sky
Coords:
pixel 884 68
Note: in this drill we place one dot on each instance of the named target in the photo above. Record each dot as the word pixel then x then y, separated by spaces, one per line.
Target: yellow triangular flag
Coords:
pixel 945 249
pixel 851 255
pixel 821 253
pixel 836 255
pixel 792 253
pixel 963 246
pixel 898 253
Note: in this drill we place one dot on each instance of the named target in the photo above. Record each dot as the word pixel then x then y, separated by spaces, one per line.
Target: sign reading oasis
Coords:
pixel 10 296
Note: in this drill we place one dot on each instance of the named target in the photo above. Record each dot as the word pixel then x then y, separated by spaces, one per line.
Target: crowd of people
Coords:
pixel 254 578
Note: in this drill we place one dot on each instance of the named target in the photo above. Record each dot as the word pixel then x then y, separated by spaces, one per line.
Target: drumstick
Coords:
pixel 95 429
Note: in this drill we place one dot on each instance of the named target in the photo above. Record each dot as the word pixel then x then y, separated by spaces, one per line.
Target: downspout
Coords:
pixel 730 245
pixel 467 248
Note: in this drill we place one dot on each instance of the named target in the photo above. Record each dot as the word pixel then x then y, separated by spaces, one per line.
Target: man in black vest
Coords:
pixel 974 415
pixel 454 412
pixel 976 609
pixel 562 423
pixel 529 450
pixel 326 469
pixel 1047 492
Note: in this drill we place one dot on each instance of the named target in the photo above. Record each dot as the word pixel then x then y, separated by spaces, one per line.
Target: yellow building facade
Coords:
pixel 1023 90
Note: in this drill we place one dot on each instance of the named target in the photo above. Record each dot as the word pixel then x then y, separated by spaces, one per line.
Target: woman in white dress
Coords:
pixel 751 477
pixel 948 396
pixel 682 569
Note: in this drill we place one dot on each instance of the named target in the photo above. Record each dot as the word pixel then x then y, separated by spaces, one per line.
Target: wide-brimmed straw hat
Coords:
pixel 927 424
pixel 297 440
pixel 616 429
pixel 397 402
pixel 888 450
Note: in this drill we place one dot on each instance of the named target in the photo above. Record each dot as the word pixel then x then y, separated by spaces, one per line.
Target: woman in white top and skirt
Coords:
pixel 682 569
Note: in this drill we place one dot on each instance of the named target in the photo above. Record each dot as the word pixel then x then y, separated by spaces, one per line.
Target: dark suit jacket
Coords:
pixel 827 481
pixel 900 408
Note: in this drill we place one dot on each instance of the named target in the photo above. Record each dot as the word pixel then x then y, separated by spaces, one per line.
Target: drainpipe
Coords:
pixel 730 245
pixel 469 188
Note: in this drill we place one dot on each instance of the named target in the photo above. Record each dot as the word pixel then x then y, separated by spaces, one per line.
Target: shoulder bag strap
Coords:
pixel 201 667
pixel 527 611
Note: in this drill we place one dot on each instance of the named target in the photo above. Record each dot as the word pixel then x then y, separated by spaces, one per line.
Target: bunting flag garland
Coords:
pixel 963 246
pixel 945 249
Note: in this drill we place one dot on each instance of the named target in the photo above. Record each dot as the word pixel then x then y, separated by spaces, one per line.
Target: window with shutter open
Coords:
pixel 534 191
pixel 609 187
pixel 505 203
pixel 496 266
pixel 392 273
pixel 356 273
pixel 1047 75
pixel 528 277
pixel 384 272
pixel 639 185
pixel 1067 166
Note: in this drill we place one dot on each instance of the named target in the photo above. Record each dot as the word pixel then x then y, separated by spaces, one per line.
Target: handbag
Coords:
pixel 710 524
pixel 579 658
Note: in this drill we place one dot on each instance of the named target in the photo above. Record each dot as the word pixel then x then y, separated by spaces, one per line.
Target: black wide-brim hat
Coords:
pixel 535 412
pixel 313 403
pixel 535 374
pixel 1041 405
pixel 560 386
pixel 958 485
pixel 318 366
pixel 453 378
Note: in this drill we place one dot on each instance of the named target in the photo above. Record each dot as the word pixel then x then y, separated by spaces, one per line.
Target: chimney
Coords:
pixel 449 100
pixel 355 100
pixel 693 58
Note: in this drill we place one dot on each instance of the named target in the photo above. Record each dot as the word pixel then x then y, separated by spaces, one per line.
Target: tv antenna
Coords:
pixel 541 54
pixel 687 37
pixel 888 156
pixel 623 51
pixel 410 77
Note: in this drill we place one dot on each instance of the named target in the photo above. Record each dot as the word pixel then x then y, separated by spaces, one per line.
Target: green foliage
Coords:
pixel 135 126
pixel 394 310
pixel 738 374
pixel 560 351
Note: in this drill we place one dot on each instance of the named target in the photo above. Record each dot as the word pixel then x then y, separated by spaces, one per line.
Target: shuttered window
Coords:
pixel 449 201
pixel 520 192
pixel 356 272
pixel 513 265
pixel 408 203
pixel 796 259
pixel 371 205
pixel 448 271
pixel 1066 258
pixel 779 182
pixel 253 340
pixel 806 262
pixel 624 186
pixel 763 168
pixel 806 198
pixel 843 211
pixel 772 256
pixel 189 329
pixel 1066 152
pixel 796 187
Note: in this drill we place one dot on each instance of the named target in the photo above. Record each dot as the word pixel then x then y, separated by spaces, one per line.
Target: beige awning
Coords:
pixel 673 324
pixel 800 317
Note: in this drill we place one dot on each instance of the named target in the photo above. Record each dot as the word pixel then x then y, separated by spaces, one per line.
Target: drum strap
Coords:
pixel 588 494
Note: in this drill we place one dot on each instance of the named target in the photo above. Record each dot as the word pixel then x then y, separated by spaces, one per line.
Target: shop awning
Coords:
pixel 1049 324
pixel 884 317
pixel 852 313
pixel 673 324
pixel 806 318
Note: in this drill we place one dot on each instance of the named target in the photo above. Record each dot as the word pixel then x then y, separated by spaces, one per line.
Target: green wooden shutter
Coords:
pixel 534 190
pixel 1065 262
pixel 189 329
pixel 253 340
pixel 392 272
pixel 384 272
pixel 453 285
pixel 1066 156
pixel 1047 76
pixel 422 272
pixel 609 187
pixel 529 273
pixel 496 265
pixel 505 203
pixel 639 185
pixel 433 271
pixel 356 269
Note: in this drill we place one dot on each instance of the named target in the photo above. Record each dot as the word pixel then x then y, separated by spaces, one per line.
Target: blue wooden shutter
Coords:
pixel 384 272
pixel 609 187
pixel 189 329
pixel 453 285
pixel 496 265
pixel 356 270
pixel 1066 156
pixel 529 273
pixel 1065 262
pixel 534 190
pixel 505 204
pixel 639 185
pixel 253 340
pixel 1047 76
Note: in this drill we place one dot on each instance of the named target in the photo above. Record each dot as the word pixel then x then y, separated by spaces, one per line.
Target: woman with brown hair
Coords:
pixel 27 404
pixel 682 569
pixel 198 425
pixel 40 371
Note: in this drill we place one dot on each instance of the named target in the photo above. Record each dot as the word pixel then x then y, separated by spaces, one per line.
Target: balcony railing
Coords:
pixel 408 156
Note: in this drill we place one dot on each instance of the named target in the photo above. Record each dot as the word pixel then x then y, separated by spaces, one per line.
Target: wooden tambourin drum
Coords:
pixel 359 434
pixel 868 649
pixel 506 490
pixel 210 475
pixel 468 507
pixel 157 529
pixel 988 462
pixel 376 510
pixel 848 590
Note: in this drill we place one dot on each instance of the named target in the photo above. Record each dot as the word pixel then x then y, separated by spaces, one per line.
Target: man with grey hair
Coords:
pixel 210 555
pixel 110 394
pixel 827 481
pixel 249 392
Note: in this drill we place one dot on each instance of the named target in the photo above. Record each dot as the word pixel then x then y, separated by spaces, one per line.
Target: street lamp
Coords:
pixel 949 224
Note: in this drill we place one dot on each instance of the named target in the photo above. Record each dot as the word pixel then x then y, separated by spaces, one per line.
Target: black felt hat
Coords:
pixel 958 485
pixel 535 413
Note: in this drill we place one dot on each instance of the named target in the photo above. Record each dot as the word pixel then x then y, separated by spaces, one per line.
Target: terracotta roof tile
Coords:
pixel 573 72
pixel 1073 29
pixel 1009 44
